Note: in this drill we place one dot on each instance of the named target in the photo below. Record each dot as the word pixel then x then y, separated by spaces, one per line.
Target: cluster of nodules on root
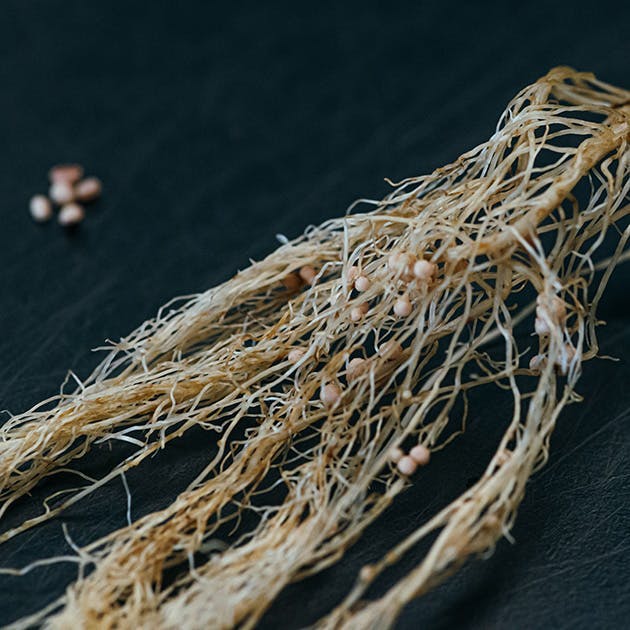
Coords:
pixel 416 274
pixel 551 314
pixel 404 265
pixel 70 191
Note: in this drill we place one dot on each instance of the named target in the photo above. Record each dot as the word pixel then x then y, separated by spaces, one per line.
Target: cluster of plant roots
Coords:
pixel 510 228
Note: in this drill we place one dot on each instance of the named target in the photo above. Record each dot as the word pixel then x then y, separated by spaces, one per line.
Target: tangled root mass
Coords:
pixel 316 364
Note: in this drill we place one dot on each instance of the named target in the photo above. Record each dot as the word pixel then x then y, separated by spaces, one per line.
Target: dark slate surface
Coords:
pixel 216 126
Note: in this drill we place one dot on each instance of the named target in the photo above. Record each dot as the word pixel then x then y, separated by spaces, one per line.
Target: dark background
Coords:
pixel 216 126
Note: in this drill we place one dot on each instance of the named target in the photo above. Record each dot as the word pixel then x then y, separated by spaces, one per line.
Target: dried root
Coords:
pixel 341 348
